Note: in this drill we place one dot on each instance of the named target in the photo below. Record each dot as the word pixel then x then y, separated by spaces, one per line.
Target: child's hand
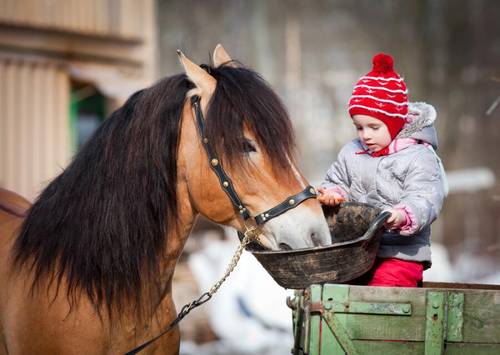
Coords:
pixel 329 197
pixel 396 220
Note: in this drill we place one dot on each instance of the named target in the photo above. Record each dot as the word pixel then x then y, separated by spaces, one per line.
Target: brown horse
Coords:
pixel 88 269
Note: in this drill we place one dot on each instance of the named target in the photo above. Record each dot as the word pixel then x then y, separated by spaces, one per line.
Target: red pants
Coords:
pixel 392 273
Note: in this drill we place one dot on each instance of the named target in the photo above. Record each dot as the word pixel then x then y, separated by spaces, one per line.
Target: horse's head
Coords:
pixel 234 122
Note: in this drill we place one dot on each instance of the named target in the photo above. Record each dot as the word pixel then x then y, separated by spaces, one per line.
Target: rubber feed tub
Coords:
pixel 356 229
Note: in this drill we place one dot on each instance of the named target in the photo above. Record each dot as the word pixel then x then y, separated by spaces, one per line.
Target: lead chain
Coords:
pixel 249 235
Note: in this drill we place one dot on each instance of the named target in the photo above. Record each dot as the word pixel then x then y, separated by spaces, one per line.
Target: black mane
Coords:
pixel 243 96
pixel 102 223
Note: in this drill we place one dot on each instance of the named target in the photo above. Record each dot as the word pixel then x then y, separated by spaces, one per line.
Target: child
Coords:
pixel 392 165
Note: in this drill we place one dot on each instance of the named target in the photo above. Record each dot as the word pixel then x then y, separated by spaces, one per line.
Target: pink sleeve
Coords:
pixel 409 227
pixel 338 190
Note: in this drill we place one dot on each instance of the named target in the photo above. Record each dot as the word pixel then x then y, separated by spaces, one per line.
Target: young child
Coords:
pixel 391 165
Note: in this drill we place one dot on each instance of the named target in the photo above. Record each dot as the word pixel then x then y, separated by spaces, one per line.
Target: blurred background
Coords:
pixel 66 64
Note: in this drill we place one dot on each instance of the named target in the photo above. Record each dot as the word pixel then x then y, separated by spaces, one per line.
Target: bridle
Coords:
pixel 250 233
pixel 226 184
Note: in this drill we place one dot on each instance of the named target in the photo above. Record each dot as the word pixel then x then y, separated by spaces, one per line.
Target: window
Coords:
pixel 87 111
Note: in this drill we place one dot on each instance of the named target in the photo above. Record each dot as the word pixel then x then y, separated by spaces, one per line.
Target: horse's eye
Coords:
pixel 248 147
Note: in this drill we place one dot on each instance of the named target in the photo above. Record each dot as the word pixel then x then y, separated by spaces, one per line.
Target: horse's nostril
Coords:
pixel 284 246
pixel 315 239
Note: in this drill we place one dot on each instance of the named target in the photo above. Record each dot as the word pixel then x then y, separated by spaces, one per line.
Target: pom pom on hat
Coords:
pixel 381 94
pixel 383 63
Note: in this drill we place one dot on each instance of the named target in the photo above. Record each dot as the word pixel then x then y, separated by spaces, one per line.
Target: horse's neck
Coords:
pixel 178 235
pixel 158 292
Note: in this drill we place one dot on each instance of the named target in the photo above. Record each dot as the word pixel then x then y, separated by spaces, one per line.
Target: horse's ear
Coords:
pixel 204 82
pixel 220 57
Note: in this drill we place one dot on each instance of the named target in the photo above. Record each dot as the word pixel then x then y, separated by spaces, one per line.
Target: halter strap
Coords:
pixel 289 203
pixel 226 184
pixel 224 180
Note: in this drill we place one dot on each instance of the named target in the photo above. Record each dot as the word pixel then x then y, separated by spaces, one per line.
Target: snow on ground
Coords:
pixel 441 270
pixel 467 268
pixel 248 312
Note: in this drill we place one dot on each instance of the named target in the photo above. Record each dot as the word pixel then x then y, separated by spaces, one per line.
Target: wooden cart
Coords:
pixel 438 318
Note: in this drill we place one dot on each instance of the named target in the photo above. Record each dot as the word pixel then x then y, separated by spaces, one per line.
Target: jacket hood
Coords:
pixel 420 125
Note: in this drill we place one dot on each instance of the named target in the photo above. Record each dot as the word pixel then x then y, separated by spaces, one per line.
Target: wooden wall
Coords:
pixel 44 45
pixel 34 125
pixel 120 18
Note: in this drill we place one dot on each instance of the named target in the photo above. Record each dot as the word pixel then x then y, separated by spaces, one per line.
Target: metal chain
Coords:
pixel 249 235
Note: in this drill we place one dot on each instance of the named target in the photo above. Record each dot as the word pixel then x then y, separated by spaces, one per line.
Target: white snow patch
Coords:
pixel 249 311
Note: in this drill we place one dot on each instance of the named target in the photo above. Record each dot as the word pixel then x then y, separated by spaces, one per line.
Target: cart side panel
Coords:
pixel 481 316
pixel 386 327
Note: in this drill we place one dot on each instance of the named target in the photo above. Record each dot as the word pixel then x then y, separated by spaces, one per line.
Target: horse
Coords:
pixel 87 269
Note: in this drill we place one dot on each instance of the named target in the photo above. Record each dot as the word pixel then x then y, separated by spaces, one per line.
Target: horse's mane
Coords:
pixel 102 223
pixel 243 96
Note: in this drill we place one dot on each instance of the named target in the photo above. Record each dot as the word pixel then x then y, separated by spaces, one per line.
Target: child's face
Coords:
pixel 372 132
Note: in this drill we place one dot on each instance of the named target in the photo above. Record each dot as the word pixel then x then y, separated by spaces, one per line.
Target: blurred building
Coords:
pixel 64 64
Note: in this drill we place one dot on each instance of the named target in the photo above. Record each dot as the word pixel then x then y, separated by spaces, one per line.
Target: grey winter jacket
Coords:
pixel 412 178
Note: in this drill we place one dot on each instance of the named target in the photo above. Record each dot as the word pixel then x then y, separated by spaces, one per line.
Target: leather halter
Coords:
pixel 226 184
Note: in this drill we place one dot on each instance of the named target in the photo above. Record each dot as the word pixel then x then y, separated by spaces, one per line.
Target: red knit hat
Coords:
pixel 381 94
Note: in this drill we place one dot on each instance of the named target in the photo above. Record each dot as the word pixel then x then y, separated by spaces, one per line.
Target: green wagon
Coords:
pixel 438 318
